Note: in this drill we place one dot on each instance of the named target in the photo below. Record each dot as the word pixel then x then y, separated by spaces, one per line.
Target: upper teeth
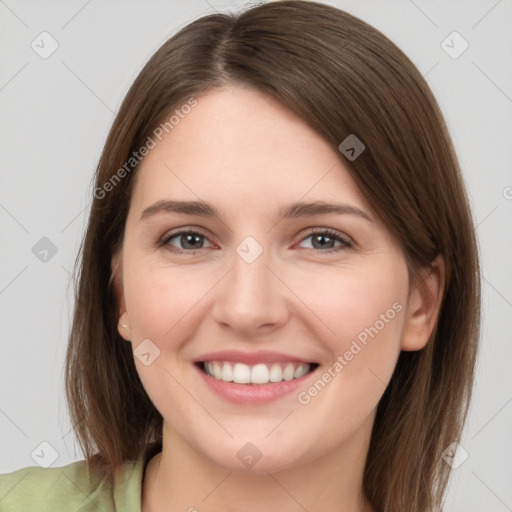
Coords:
pixel 257 374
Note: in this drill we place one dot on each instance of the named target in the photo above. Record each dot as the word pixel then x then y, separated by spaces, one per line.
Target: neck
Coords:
pixel 182 479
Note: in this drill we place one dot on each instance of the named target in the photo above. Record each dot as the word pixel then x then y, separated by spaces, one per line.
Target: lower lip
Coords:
pixel 252 393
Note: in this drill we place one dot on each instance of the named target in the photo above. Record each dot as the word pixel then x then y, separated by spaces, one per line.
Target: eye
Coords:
pixel 325 241
pixel 189 242
pixel 184 241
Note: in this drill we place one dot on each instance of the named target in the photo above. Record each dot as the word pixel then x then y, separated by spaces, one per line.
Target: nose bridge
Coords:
pixel 251 296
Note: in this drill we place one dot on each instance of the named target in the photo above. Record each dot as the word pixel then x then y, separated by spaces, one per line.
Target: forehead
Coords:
pixel 240 147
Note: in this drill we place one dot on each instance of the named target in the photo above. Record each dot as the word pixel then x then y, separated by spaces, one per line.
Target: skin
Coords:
pixel 248 156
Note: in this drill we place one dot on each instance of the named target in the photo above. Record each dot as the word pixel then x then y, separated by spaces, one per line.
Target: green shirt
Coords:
pixel 68 489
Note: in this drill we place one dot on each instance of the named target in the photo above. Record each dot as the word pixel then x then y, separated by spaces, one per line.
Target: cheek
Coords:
pixel 162 299
pixel 358 303
pixel 364 311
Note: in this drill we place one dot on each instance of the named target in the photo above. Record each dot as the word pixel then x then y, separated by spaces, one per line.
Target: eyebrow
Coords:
pixel 292 211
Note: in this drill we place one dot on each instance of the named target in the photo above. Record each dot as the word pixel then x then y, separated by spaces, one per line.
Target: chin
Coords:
pixel 258 457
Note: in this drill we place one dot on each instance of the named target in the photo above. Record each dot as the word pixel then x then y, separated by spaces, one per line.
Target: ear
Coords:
pixel 123 324
pixel 423 306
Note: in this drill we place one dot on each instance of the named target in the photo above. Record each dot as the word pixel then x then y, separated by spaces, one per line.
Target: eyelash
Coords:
pixel 345 244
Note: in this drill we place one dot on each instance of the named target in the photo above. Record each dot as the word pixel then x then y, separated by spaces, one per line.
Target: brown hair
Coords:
pixel 341 76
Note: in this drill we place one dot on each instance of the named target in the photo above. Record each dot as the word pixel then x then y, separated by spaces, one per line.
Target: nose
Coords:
pixel 251 299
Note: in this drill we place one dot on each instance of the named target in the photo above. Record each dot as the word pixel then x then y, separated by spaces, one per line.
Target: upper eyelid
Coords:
pixel 182 231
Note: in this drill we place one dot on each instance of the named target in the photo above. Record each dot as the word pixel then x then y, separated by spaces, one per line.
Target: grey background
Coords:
pixel 55 114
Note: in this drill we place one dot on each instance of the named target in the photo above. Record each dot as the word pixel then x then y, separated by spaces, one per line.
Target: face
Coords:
pixel 305 308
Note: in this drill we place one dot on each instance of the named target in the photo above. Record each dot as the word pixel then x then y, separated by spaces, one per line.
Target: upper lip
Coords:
pixel 250 358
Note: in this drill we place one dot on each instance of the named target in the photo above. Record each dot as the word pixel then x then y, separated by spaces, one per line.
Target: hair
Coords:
pixel 341 76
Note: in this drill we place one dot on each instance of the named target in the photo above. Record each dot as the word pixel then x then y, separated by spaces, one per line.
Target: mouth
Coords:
pixel 259 374
pixel 254 378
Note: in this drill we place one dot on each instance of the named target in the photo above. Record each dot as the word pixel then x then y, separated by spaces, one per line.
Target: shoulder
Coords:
pixel 71 487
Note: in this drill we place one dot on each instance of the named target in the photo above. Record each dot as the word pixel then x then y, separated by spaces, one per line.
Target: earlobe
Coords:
pixel 423 307
pixel 123 325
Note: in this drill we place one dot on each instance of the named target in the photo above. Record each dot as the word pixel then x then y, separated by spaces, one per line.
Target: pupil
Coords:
pixel 325 237
pixel 186 239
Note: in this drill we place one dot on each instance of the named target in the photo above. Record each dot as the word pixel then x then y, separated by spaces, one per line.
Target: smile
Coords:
pixel 252 378
pixel 258 374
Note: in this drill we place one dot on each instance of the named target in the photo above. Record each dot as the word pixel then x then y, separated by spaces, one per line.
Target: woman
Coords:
pixel 278 297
